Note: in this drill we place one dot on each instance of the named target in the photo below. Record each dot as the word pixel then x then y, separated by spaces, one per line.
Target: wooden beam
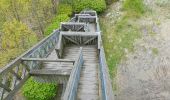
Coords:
pixel 71 40
pixel 72 23
pixel 79 33
pixel 16 75
pixel 5 87
pixel 89 40
pixel 17 87
pixel 80 28
pixel 40 72
pixel 48 60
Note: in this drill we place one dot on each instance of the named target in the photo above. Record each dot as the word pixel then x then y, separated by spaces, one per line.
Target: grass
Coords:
pixel 118 39
pixel 155 51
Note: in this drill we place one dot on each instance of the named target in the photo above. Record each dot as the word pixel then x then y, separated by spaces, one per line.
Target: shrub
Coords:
pixel 39 91
pixel 17 35
pixel 56 23
pixel 97 5
pixel 65 9
pixel 134 6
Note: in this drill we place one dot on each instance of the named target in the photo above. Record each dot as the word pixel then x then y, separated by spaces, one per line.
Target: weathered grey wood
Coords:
pixel 71 88
pixel 92 13
pixel 48 60
pixel 77 15
pixel 89 40
pixel 72 26
pixel 59 46
pixel 81 83
pixel 17 87
pixel 5 87
pixel 71 40
pixel 87 19
pixel 16 75
pixel 84 34
pixel 41 72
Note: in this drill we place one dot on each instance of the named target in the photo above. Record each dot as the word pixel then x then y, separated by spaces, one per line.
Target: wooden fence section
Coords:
pixel 14 75
pixel 107 92
pixel 72 84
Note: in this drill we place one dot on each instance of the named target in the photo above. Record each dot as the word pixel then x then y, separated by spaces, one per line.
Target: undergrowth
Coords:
pixel 118 39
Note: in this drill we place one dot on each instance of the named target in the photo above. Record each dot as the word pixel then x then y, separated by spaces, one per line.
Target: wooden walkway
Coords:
pixel 72 57
pixel 89 82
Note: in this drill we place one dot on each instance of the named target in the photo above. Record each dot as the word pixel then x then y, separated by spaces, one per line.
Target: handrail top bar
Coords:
pixel 82 15
pixel 74 23
pixel 37 72
pixel 79 33
pixel 87 16
pixel 47 60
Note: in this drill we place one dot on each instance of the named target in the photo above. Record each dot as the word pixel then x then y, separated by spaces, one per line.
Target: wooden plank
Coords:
pixel 16 75
pixel 5 87
pixel 72 85
pixel 89 40
pixel 49 72
pixel 71 40
pixel 79 33
pixel 72 23
pixel 48 60
pixel 17 87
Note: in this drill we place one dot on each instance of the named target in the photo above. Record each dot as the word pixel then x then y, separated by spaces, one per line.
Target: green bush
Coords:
pixel 134 6
pixel 38 91
pixel 97 5
pixel 65 9
pixel 56 23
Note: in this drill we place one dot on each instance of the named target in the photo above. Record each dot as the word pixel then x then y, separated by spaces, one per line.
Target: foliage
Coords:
pixel 9 55
pixel 98 5
pixel 56 23
pixel 134 7
pixel 65 9
pixel 16 38
pixel 118 40
pixel 17 35
pixel 33 90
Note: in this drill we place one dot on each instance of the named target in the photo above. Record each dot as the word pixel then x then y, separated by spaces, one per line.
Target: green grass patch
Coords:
pixel 117 40
pixel 134 7
pixel 155 51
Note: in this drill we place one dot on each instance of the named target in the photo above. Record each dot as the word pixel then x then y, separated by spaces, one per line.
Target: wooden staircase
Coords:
pixel 72 57
pixel 89 77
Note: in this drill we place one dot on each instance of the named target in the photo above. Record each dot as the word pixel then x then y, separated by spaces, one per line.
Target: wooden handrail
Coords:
pixel 79 33
pixel 72 85
pixel 48 60
pixel 107 91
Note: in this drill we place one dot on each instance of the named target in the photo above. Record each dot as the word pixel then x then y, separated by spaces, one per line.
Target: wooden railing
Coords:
pixel 72 84
pixel 14 75
pixel 107 92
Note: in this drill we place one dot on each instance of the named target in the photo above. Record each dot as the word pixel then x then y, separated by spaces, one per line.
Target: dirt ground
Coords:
pixel 145 73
